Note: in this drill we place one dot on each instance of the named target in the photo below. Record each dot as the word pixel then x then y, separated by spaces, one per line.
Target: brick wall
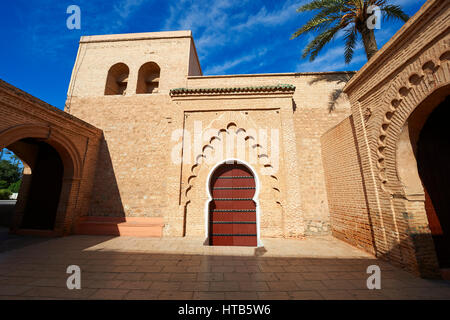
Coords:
pixel 135 175
pixel 411 67
pixel 350 219
pixel 26 117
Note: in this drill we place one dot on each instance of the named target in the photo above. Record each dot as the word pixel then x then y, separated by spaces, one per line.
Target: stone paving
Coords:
pixel 177 268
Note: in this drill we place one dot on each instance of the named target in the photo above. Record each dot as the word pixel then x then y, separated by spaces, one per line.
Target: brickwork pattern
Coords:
pixel 412 66
pixel 24 116
pixel 350 218
pixel 137 177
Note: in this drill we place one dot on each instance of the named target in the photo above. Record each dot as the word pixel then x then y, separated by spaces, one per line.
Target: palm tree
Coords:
pixel 351 16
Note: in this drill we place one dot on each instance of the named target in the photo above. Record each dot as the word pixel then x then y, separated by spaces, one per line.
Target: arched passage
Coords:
pixel 44 189
pixel 46 196
pixel 433 162
pixel 422 160
pixel 232 209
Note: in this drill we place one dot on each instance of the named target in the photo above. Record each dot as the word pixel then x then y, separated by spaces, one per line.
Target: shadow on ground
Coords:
pixel 12 241
pixel 143 268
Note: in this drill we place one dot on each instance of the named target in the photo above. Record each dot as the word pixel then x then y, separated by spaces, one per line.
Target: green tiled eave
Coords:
pixel 288 88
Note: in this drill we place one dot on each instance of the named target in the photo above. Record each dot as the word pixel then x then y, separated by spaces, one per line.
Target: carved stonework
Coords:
pixel 405 92
pixel 230 128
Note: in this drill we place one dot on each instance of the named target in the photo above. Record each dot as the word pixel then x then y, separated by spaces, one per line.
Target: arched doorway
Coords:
pixel 40 191
pixel 433 162
pixel 232 210
pixel 46 203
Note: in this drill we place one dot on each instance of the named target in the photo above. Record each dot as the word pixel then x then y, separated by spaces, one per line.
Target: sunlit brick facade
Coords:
pixel 330 152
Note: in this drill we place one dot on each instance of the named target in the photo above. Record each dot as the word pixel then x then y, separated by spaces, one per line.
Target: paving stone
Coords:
pixel 109 294
pixel 242 275
pixel 201 295
pixel 338 284
pixel 141 284
pixel 282 285
pixel 194 286
pixel 129 276
pixel 157 276
pixel 176 295
pixel 305 295
pixel 224 286
pixel 165 285
pixel 336 294
pixel 238 276
pixel 101 284
pixel 253 286
pixel 12 290
pixel 273 295
pixel 210 276
pixel 310 285
pixel 241 295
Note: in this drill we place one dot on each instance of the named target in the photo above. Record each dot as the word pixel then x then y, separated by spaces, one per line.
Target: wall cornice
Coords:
pixel 275 89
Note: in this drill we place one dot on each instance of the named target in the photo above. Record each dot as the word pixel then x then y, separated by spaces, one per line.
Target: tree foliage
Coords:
pixel 9 172
pixel 349 16
pixel 15 186
pixel 5 194
pixel 10 178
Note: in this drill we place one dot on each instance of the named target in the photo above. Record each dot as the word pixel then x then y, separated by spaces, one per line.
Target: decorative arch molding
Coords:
pixel 250 142
pixel 425 75
pixel 65 147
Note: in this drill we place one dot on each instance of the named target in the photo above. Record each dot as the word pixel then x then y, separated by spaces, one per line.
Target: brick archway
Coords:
pixel 424 78
pixel 413 166
pixel 71 162
pixel 66 149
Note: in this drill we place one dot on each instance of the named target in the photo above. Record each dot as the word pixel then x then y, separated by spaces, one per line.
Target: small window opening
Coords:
pixel 117 80
pixel 148 78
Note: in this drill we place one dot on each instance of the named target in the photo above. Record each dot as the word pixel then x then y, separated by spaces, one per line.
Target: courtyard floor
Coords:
pixel 177 268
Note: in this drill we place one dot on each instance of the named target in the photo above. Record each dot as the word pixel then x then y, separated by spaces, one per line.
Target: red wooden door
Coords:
pixel 232 212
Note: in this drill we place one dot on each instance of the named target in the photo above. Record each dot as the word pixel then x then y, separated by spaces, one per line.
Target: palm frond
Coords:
pixel 320 4
pixel 358 4
pixel 350 15
pixel 378 3
pixel 350 43
pixel 316 45
pixel 317 23
pixel 393 12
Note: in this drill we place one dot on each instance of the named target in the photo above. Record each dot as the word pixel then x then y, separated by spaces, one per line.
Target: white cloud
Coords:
pixel 333 60
pixel 216 24
pixel 227 65
pixel 265 18
pixel 126 7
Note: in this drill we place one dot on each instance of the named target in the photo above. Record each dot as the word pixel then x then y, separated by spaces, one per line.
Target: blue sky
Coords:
pixel 232 37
